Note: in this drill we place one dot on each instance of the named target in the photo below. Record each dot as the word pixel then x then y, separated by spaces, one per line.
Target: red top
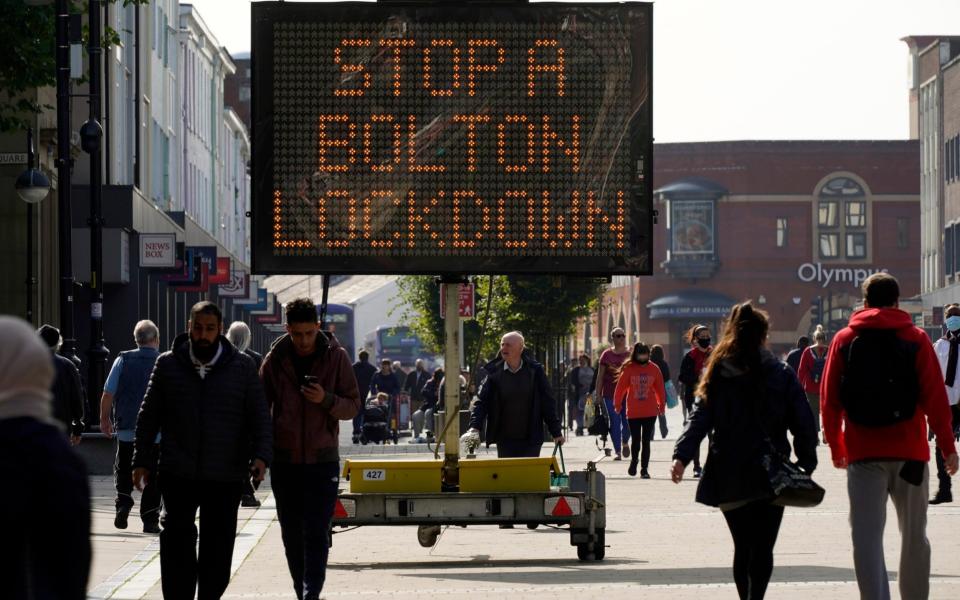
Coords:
pixel 805 369
pixel 643 387
pixel 611 361
pixel 902 441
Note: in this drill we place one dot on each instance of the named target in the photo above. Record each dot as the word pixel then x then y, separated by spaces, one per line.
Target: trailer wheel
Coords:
pixel 599 549
pixel 427 535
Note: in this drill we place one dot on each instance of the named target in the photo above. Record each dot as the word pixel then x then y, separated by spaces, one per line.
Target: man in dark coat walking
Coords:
pixel 515 401
pixel 206 399
pixel 363 371
pixel 69 405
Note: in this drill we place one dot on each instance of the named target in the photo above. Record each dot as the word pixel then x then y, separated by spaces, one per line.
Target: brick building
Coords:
pixel 793 225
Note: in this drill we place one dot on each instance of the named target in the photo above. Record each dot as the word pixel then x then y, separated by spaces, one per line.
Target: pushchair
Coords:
pixel 376 425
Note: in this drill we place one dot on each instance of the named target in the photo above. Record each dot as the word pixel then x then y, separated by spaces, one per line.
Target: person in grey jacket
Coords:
pixel 206 399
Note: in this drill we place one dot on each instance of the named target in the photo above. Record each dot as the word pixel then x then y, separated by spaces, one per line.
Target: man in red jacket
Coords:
pixel 310 388
pixel 881 383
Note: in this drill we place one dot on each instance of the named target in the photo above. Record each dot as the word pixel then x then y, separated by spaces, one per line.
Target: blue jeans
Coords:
pixel 617 425
pixel 306 496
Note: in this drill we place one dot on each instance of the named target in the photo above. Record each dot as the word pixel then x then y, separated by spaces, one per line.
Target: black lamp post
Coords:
pixel 64 171
pixel 32 186
pixel 91 140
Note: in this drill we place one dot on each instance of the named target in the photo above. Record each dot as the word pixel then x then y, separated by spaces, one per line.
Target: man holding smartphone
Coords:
pixel 310 388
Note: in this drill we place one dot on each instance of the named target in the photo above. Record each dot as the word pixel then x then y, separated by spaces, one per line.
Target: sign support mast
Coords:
pixel 451 390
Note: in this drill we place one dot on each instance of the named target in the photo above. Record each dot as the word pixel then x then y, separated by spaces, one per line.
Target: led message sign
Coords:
pixel 452 138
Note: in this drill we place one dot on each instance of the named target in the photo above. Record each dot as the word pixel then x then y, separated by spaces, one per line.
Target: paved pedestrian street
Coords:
pixel 661 544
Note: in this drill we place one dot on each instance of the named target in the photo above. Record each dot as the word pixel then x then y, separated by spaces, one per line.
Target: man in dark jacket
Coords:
pixel 122 396
pixel 206 399
pixel 515 401
pixel 384 380
pixel 363 371
pixel 310 388
pixel 794 356
pixel 415 381
pixel 69 406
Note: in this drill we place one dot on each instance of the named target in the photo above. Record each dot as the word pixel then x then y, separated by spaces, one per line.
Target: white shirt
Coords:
pixel 942 348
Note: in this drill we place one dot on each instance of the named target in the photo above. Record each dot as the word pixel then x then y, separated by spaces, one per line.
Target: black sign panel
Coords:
pixel 449 139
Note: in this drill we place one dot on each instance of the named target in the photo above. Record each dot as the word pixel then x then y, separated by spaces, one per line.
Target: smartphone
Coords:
pixel 310 379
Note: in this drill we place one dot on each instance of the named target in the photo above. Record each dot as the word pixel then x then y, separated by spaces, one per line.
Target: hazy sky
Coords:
pixel 758 69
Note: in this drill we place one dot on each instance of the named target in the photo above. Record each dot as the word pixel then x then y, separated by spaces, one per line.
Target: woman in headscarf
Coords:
pixel 47 513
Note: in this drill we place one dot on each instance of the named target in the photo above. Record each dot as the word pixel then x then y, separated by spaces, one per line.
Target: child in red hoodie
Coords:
pixel 642 383
pixel 886 456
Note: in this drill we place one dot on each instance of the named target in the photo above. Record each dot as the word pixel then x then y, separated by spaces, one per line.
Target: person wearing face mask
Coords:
pixel 947 351
pixel 642 383
pixel 690 369
pixel 810 373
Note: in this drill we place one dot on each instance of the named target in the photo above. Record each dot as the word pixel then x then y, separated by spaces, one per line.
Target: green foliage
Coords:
pixel 29 62
pixel 541 307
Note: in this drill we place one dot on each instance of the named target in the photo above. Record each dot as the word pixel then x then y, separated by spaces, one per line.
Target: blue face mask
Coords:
pixel 953 323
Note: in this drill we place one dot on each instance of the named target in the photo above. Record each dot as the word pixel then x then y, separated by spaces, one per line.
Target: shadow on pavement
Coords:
pixel 481 561
pixel 613 572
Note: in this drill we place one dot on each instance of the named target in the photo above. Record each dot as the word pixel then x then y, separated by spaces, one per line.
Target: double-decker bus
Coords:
pixel 339 320
pixel 395 342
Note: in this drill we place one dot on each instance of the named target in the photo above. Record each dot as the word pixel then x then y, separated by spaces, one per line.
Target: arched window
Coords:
pixel 842 220
pixel 587 334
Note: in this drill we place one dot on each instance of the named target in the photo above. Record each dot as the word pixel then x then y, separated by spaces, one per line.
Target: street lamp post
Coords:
pixel 91 140
pixel 64 170
pixel 32 186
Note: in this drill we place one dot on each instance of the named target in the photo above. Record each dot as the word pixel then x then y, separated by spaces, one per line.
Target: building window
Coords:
pixel 829 245
pixel 847 237
pixel 903 233
pixel 781 232
pixel 948 251
pixel 828 213
pixel 856 245
pixel 856 214
pixel 244 93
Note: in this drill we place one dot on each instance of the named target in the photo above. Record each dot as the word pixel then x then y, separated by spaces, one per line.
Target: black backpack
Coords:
pixel 879 385
pixel 819 361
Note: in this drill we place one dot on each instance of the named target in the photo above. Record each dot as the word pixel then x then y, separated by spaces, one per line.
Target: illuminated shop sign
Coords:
pixel 444 138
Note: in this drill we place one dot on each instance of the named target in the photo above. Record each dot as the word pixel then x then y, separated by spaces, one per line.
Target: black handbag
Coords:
pixel 789 483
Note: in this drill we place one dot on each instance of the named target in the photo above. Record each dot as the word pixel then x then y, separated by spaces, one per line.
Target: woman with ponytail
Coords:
pixel 746 396
pixel 812 363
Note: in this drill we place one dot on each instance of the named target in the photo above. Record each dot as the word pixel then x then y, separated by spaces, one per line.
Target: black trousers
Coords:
pixel 306 496
pixel 754 528
pixel 182 570
pixel 123 481
pixel 942 475
pixel 688 403
pixel 514 449
pixel 643 430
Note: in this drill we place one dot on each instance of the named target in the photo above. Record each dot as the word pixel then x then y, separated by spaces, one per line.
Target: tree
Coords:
pixel 29 62
pixel 544 308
